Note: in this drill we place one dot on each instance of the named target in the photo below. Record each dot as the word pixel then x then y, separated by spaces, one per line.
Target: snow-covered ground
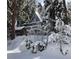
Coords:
pixel 16 49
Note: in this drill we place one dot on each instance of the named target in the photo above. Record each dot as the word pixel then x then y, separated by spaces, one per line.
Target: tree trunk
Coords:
pixel 64 3
pixel 13 19
pixel 65 10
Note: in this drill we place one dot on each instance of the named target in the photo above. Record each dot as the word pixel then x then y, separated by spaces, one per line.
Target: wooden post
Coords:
pixel 13 19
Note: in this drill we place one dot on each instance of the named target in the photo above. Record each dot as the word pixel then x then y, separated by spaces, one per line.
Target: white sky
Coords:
pixel 41 1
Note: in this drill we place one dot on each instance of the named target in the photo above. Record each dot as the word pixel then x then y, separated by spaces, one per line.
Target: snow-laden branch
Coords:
pixel 38 16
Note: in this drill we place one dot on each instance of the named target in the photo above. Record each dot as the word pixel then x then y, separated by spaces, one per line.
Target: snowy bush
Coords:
pixel 41 46
pixel 28 44
pixel 38 46
pixel 34 48
pixel 67 30
pixel 52 37
pixel 62 38
pixel 59 24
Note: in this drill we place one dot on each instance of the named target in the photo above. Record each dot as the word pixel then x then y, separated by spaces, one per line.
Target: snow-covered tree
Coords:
pixel 20 10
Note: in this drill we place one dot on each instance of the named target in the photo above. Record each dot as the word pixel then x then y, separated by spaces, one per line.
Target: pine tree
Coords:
pixel 20 10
